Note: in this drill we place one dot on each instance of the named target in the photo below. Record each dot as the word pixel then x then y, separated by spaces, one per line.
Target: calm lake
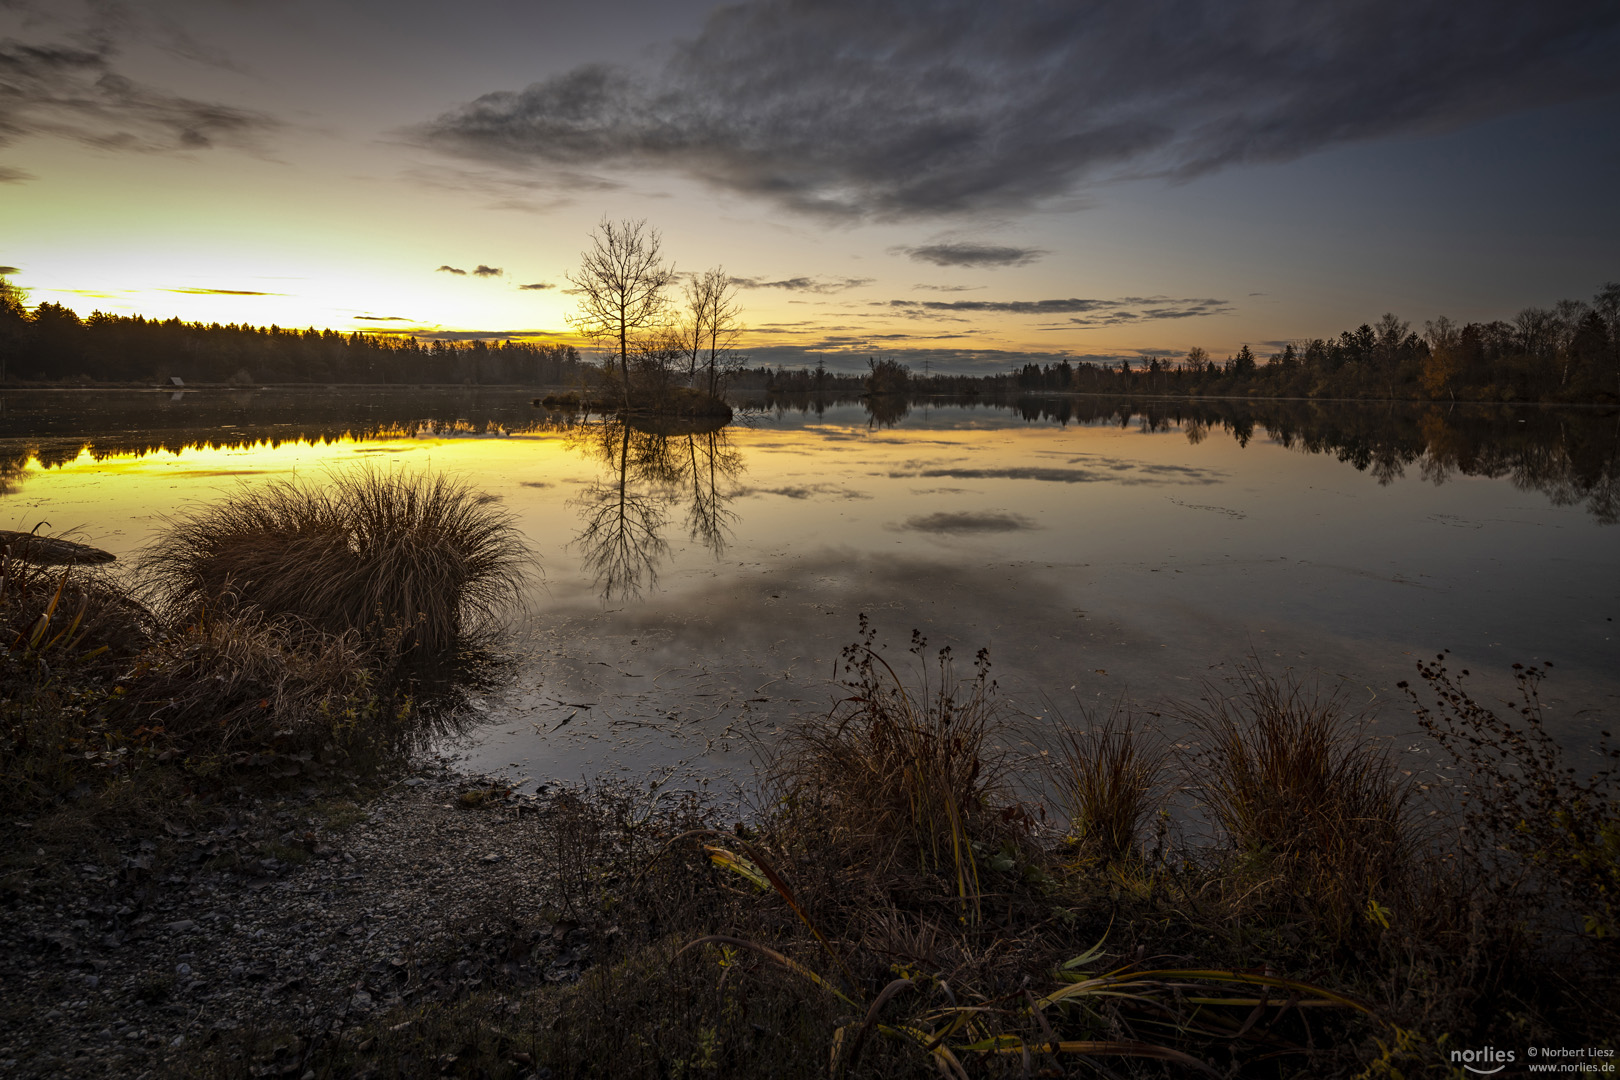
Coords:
pixel 696 587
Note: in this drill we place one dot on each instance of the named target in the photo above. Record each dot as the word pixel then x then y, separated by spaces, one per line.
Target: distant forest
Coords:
pixel 52 344
pixel 1569 352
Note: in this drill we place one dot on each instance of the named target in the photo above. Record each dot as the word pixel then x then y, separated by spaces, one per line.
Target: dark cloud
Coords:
pixel 478 271
pixel 537 285
pixel 11 175
pixel 223 292
pixel 951 288
pixel 802 284
pixel 384 318
pixel 1126 309
pixel 10 270
pixel 899 108
pixel 70 89
pixel 972 254
pixel 969 522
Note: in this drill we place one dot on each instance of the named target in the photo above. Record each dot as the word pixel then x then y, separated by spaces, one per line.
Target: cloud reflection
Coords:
pixel 969 522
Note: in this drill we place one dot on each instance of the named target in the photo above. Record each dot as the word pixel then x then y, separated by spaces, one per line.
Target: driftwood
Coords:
pixel 51 550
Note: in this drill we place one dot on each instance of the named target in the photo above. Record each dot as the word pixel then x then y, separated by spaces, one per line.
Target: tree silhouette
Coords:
pixel 13 322
pixel 621 282
pixel 709 334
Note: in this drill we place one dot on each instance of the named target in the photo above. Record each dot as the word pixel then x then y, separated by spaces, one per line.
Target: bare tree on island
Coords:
pixel 621 282
pixel 712 328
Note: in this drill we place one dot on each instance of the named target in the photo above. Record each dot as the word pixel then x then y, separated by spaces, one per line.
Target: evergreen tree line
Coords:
pixel 1568 352
pixel 52 343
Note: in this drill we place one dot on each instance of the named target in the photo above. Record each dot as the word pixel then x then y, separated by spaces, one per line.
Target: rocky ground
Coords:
pixel 300 913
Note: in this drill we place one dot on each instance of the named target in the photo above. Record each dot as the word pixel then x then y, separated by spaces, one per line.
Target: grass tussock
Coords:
pixel 910 776
pixel 1304 795
pixel 1109 781
pixel 410 561
pixel 50 611
pixel 271 650
pixel 66 632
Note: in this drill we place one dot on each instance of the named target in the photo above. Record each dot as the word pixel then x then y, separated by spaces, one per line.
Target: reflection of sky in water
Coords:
pixel 697 587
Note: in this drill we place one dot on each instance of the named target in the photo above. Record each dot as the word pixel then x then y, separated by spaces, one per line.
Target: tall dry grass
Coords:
pixel 1109 781
pixel 902 774
pixel 310 597
pixel 411 561
pixel 227 686
pixel 1299 788
pixel 65 633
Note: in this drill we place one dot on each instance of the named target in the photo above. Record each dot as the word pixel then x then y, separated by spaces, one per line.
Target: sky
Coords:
pixel 962 185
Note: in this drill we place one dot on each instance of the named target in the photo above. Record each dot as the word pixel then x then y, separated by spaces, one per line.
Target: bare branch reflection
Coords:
pixel 651 468
pixel 713 461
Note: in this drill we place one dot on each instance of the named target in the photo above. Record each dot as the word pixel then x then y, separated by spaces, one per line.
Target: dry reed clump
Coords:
pixel 1109 782
pixel 892 772
pixel 228 686
pixel 55 613
pixel 65 631
pixel 1298 789
pixel 412 561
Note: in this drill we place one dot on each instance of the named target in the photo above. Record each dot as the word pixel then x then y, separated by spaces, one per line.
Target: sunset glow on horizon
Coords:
pixel 1022 184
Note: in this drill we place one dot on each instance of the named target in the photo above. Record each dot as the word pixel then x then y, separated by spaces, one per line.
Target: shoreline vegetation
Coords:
pixel 1568 353
pixel 926 883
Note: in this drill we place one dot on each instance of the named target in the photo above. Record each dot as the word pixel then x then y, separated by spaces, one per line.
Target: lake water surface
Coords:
pixel 696 586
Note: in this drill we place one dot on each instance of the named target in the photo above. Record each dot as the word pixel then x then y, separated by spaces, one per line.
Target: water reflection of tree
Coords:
pixel 885 410
pixel 1571 456
pixel 714 464
pixel 13 469
pixel 648 473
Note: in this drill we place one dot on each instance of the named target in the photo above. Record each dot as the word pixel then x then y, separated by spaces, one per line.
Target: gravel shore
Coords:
pixel 299 913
